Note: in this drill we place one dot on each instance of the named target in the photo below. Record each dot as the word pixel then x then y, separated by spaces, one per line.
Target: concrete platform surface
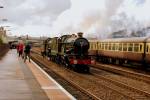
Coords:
pixel 17 81
pixel 53 90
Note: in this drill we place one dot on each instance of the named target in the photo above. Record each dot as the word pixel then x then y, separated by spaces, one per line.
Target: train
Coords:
pixel 81 52
pixel 69 50
pixel 13 44
pixel 134 50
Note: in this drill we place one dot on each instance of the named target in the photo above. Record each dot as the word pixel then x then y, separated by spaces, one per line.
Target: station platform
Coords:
pixel 27 81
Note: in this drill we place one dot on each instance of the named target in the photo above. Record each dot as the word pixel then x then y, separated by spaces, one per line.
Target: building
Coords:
pixel 3 36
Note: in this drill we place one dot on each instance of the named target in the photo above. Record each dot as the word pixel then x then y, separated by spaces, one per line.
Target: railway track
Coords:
pixel 125 72
pixel 105 88
pixel 119 70
pixel 75 90
pixel 127 83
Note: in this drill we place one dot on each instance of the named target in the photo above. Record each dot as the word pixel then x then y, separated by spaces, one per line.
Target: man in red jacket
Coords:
pixel 20 49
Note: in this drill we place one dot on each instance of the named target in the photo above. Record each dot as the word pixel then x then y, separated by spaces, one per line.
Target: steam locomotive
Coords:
pixel 122 50
pixel 69 50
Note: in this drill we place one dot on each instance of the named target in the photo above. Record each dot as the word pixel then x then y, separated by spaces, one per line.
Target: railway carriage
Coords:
pixel 44 47
pixel 122 50
pixel 147 51
pixel 93 47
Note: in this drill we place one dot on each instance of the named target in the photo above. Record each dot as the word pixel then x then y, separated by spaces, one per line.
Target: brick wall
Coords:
pixel 3 49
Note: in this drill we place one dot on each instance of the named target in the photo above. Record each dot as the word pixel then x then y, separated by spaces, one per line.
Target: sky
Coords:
pixel 96 18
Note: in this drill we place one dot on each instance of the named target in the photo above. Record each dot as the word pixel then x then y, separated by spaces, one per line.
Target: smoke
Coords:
pixel 100 18
pixel 134 18
pixel 103 27
pixel 92 18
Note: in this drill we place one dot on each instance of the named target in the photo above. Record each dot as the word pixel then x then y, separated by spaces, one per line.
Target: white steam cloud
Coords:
pixel 96 18
pixel 99 18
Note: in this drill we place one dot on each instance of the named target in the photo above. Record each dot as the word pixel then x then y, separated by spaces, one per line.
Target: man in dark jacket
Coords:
pixel 27 51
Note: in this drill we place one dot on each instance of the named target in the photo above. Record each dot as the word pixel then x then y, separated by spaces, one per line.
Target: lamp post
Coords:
pixel 1 7
pixel 5 26
pixel 4 19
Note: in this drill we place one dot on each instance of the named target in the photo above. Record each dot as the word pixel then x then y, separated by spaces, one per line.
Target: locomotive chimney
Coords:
pixel 80 34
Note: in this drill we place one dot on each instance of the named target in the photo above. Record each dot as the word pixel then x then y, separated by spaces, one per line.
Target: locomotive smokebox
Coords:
pixel 80 34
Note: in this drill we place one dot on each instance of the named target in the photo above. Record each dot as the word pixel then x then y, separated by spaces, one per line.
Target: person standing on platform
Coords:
pixel 27 52
pixel 20 49
pixel 17 48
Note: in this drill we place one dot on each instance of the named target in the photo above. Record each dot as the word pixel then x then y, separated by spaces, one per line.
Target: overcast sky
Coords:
pixel 57 17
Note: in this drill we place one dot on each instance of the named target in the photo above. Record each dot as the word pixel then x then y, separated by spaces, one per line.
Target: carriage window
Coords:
pixel 109 46
pixel 91 46
pixel 106 46
pixel 130 47
pixel 113 46
pixel 125 47
pixel 147 48
pixel 117 47
pixel 141 47
pixel 136 47
pixel 99 46
pixel 102 46
pixel 95 46
pixel 120 46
